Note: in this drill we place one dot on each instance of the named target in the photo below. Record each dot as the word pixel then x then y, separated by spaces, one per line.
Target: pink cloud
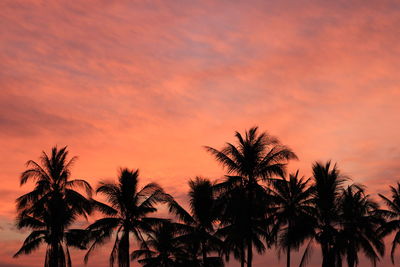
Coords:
pixel 146 85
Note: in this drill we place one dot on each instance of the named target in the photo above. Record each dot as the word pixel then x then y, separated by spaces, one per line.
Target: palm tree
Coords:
pixel 360 220
pixel 162 248
pixel 393 215
pixel 235 219
pixel 292 208
pixel 51 207
pixel 328 185
pixel 254 159
pixel 127 212
pixel 199 223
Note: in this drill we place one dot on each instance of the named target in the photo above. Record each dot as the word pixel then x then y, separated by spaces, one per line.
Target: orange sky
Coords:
pixel 145 84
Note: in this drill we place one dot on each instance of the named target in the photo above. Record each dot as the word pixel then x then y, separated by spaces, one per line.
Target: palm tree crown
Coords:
pixel 328 185
pixel 393 216
pixel 51 207
pixel 162 247
pixel 292 208
pixel 359 223
pixel 127 213
pixel 255 158
pixel 198 225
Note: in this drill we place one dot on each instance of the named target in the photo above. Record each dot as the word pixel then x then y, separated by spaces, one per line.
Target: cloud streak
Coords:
pixel 147 84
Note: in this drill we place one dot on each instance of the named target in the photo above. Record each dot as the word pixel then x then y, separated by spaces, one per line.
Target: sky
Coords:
pixel 146 84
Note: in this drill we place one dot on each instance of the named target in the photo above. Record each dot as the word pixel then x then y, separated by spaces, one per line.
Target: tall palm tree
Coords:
pixel 199 222
pixel 254 158
pixel 292 208
pixel 359 223
pixel 393 216
pixel 51 207
pixel 127 213
pixel 328 186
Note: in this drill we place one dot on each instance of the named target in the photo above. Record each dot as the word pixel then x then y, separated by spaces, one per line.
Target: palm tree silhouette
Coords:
pixel 51 207
pixel 126 213
pixel 328 186
pixel 235 219
pixel 360 220
pixel 199 223
pixel 393 215
pixel 162 248
pixel 292 208
pixel 255 158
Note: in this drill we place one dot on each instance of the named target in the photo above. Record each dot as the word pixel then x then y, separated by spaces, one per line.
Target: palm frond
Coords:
pixel 79 183
pixel 32 242
pixel 307 254
pixel 225 160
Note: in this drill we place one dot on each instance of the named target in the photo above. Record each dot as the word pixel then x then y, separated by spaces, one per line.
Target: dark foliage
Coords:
pixel 51 207
pixel 254 207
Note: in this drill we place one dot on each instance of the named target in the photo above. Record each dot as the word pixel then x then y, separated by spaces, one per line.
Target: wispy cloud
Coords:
pixel 147 84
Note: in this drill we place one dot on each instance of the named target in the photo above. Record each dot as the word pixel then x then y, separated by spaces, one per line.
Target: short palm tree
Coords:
pixel 359 220
pixel 393 216
pixel 51 207
pixel 127 213
pixel 235 219
pixel 255 158
pixel 162 248
pixel 199 223
pixel 292 208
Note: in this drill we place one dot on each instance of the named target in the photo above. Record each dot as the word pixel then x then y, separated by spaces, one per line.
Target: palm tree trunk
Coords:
pixel 288 244
pixel 242 255
pixel 204 251
pixel 250 214
pixel 123 250
pixel 55 256
pixel 51 255
pixel 327 259
pixel 249 253
pixel 325 262
pixel 351 261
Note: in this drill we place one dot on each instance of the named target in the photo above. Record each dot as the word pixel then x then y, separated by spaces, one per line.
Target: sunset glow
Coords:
pixel 148 84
